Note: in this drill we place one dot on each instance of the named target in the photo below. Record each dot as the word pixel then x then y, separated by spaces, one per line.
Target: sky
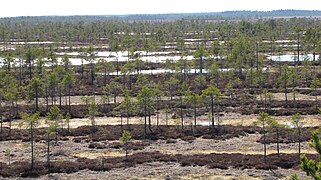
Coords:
pixel 12 8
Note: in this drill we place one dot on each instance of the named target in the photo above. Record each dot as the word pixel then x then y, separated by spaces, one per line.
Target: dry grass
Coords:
pixel 94 155
pixel 244 151
pixel 217 177
pixel 308 120
pixel 247 120
pixel 281 96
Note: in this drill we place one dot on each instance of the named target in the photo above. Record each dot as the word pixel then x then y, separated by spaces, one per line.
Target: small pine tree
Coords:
pixel 212 92
pixel 126 137
pixel 298 125
pixel 263 120
pixel 49 131
pixel 53 117
pixel 68 117
pixel 311 167
pixel 92 113
pixel 32 122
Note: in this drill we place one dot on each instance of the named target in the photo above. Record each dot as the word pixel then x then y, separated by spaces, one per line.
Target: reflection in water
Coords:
pixel 291 58
pixel 160 71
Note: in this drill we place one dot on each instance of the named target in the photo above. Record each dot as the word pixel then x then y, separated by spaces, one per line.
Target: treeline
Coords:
pixel 101 30
pixel 225 15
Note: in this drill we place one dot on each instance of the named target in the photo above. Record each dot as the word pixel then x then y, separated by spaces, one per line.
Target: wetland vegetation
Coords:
pixel 208 91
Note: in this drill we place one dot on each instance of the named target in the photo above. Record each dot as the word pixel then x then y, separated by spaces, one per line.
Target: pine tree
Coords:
pixel 263 120
pixel 311 167
pixel 298 125
pixel 125 107
pixel 146 102
pixel 54 117
pixel 124 139
pixel 92 113
pixel 35 90
pixel 276 126
pixel 32 122
pixel 49 131
pixel 214 94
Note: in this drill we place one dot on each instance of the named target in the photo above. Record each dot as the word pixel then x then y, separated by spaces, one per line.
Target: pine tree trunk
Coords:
pixel 82 68
pixel 257 56
pixel 127 109
pixel 157 113
pixel 117 66
pixel 30 70
pixel 47 100
pixel 32 148
pixel 277 142
pixel 149 121
pixel 126 149
pixel 212 111
pixel 48 152
pixel 92 73
pixel 1 123
pixel 285 88
pixel 314 45
pixel 20 73
pixel 195 112
pixel 36 98
pixel 264 143
pixel 299 138
pixel 201 65
pixel 69 94
pixel 145 118
pixel 182 118
pixel 298 46
pixel 56 135
pixel 60 97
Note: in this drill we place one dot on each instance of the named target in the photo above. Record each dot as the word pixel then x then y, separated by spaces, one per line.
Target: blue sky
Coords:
pixel 10 8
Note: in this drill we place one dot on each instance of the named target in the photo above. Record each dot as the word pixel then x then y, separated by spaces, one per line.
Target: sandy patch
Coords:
pixel 94 155
pixel 281 96
pixel 245 152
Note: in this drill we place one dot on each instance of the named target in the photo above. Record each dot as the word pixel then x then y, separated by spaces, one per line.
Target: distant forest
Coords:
pixel 226 15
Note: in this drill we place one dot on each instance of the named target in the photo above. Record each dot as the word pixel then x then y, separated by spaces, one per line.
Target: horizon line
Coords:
pixel 169 13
